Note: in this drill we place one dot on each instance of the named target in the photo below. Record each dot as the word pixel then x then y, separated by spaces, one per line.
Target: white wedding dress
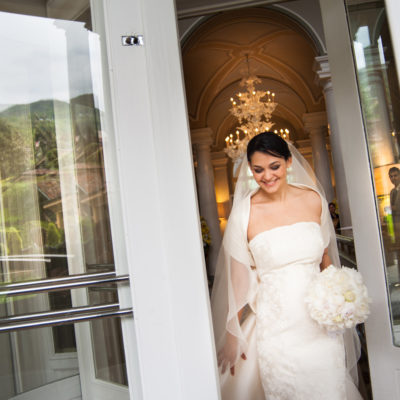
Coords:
pixel 289 356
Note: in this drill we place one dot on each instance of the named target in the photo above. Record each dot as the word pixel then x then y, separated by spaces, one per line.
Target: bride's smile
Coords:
pixel 269 171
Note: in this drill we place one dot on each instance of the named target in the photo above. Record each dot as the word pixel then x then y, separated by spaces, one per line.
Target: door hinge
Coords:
pixel 132 40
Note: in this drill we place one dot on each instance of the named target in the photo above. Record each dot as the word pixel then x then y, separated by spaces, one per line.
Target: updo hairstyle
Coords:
pixel 268 143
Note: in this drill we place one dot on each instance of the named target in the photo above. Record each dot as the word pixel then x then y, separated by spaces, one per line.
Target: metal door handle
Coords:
pixel 62 283
pixel 61 317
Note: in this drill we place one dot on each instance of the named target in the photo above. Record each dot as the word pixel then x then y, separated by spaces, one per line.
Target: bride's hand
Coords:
pixel 227 356
pixel 233 368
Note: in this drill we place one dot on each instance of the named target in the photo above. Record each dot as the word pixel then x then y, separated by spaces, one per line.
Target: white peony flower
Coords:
pixel 337 299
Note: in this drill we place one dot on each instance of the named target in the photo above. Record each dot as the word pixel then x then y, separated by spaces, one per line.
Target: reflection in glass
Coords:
pixel 54 218
pixel 380 101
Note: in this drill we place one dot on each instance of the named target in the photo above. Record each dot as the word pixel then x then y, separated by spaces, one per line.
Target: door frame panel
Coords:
pixel 384 357
pixel 393 14
pixel 158 199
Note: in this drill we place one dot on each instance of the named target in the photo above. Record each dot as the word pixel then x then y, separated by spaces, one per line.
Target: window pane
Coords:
pixel 54 217
pixel 380 101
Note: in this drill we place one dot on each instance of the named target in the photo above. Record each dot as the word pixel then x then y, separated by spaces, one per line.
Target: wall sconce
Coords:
pixel 224 209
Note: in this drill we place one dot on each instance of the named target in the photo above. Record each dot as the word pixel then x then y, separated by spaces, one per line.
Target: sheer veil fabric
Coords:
pixel 236 284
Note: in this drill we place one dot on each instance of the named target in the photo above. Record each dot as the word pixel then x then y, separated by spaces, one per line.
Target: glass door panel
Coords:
pixel 380 100
pixel 54 216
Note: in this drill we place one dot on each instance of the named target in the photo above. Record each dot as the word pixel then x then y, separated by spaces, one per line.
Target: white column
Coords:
pixel 315 124
pixel 324 78
pixel 222 193
pixel 202 140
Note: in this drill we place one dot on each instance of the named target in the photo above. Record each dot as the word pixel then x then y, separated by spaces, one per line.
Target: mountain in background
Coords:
pixel 25 125
pixel 45 108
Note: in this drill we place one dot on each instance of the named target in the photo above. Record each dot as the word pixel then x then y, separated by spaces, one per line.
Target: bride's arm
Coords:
pixel 229 353
pixel 314 201
pixel 326 260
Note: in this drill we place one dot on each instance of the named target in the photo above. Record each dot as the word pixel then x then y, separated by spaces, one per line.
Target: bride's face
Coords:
pixel 269 171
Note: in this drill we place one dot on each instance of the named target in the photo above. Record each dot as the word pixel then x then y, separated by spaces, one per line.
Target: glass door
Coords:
pixel 57 263
pixel 379 95
pixel 362 57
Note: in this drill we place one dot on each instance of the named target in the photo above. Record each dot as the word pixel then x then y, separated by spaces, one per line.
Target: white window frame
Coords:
pixel 172 355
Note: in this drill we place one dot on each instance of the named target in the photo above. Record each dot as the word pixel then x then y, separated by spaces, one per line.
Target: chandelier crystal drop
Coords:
pixel 253 109
pixel 283 133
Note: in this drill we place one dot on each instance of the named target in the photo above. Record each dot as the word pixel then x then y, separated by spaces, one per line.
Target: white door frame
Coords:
pixel 384 357
pixel 174 338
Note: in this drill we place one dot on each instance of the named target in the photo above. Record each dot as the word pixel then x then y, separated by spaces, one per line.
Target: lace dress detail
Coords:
pixel 297 359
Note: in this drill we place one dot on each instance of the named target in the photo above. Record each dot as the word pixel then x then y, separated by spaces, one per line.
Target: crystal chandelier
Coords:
pixel 253 109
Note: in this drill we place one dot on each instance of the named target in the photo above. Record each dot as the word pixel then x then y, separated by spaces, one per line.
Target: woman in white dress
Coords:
pixel 278 237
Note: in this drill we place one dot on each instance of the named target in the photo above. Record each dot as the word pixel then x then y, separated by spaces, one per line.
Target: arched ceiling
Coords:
pixel 280 53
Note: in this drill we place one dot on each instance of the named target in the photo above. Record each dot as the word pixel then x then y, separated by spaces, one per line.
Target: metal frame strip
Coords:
pixel 40 320
pixel 62 283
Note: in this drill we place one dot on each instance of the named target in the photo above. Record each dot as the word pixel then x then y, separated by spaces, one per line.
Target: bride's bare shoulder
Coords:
pixel 307 197
pixel 257 198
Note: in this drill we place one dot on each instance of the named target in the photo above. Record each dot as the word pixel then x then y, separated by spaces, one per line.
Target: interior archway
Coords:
pixel 281 53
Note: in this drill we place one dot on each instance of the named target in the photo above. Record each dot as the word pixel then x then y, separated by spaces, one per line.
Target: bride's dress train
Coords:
pixel 289 356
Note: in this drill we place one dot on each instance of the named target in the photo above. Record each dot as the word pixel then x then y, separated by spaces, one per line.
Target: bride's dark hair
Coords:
pixel 268 143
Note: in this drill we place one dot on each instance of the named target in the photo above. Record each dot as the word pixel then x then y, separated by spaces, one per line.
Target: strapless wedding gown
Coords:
pixel 295 358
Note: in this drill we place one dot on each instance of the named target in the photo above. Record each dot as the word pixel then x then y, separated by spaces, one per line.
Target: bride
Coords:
pixel 278 237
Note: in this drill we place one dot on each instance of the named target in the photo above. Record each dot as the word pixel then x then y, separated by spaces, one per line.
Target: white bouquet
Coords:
pixel 338 299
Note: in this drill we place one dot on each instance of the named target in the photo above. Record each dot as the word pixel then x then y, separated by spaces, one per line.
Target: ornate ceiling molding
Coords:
pixel 280 53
